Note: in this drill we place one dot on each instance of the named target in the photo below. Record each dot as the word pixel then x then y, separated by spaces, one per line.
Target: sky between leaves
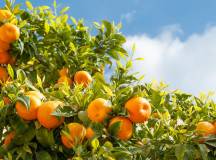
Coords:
pixel 176 37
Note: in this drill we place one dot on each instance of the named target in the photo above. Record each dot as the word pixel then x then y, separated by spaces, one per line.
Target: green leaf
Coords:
pixel 29 5
pixel 73 20
pixel 39 82
pixel 10 71
pixel 54 4
pixel 25 100
pixel 140 59
pixel 83 116
pixel 21 76
pixel 43 155
pixel 180 151
pixel 72 47
pixel 108 26
pixel 203 151
pixel 45 137
pixel 46 27
pixel 64 10
pixel 95 144
pixel 133 48
pixel 65 111
pixel 114 128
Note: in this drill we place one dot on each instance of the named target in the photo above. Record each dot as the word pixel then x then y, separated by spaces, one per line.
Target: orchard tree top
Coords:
pixel 56 104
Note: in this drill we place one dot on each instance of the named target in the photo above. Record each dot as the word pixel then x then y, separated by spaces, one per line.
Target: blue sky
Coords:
pixel 176 37
pixel 140 16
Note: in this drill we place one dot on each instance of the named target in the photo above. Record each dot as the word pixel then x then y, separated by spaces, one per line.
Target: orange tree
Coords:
pixel 90 117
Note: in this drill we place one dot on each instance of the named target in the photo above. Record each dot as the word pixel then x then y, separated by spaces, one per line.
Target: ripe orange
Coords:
pixel 5 15
pixel 65 79
pixel 9 137
pixel 98 110
pixel 12 61
pixel 139 109
pixel 4 57
pixel 214 125
pixel 36 94
pixel 9 33
pixel 125 129
pixel 4 46
pixel 45 116
pixel 83 77
pixel 6 100
pixel 31 113
pixel 205 128
pixel 90 133
pixel 3 74
pixel 75 135
pixel 63 72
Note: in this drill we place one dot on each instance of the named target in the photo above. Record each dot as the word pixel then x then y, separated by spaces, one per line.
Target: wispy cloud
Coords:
pixel 128 17
pixel 189 65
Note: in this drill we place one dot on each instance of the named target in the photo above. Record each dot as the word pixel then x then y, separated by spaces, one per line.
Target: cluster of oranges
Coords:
pixel 8 34
pixel 98 110
pixel 80 77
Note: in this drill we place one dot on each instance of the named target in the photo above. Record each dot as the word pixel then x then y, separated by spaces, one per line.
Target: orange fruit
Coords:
pixel 125 129
pixel 205 128
pixel 75 135
pixel 63 72
pixel 4 46
pixel 82 77
pixel 6 100
pixel 9 33
pixel 4 57
pixel 31 113
pixel 5 14
pixel 215 126
pixel 90 133
pixel 36 94
pixel 98 110
pixel 45 116
pixel 65 79
pixel 139 109
pixel 12 61
pixel 3 74
pixel 9 137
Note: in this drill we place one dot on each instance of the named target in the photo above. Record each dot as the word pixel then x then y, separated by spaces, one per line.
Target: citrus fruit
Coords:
pixel 139 109
pixel 3 74
pixel 98 110
pixel 74 135
pixel 31 113
pixel 36 94
pixel 45 117
pixel 9 33
pixel 125 130
pixel 4 57
pixel 9 137
pixel 82 77
pixel 4 46
pixel 205 128
pixel 5 14
pixel 63 72
pixel 90 133
pixel 65 79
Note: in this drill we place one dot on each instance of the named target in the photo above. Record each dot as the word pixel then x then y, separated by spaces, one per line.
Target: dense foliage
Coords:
pixel 50 40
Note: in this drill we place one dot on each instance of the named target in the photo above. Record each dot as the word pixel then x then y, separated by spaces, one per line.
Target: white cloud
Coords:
pixel 189 65
pixel 128 17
